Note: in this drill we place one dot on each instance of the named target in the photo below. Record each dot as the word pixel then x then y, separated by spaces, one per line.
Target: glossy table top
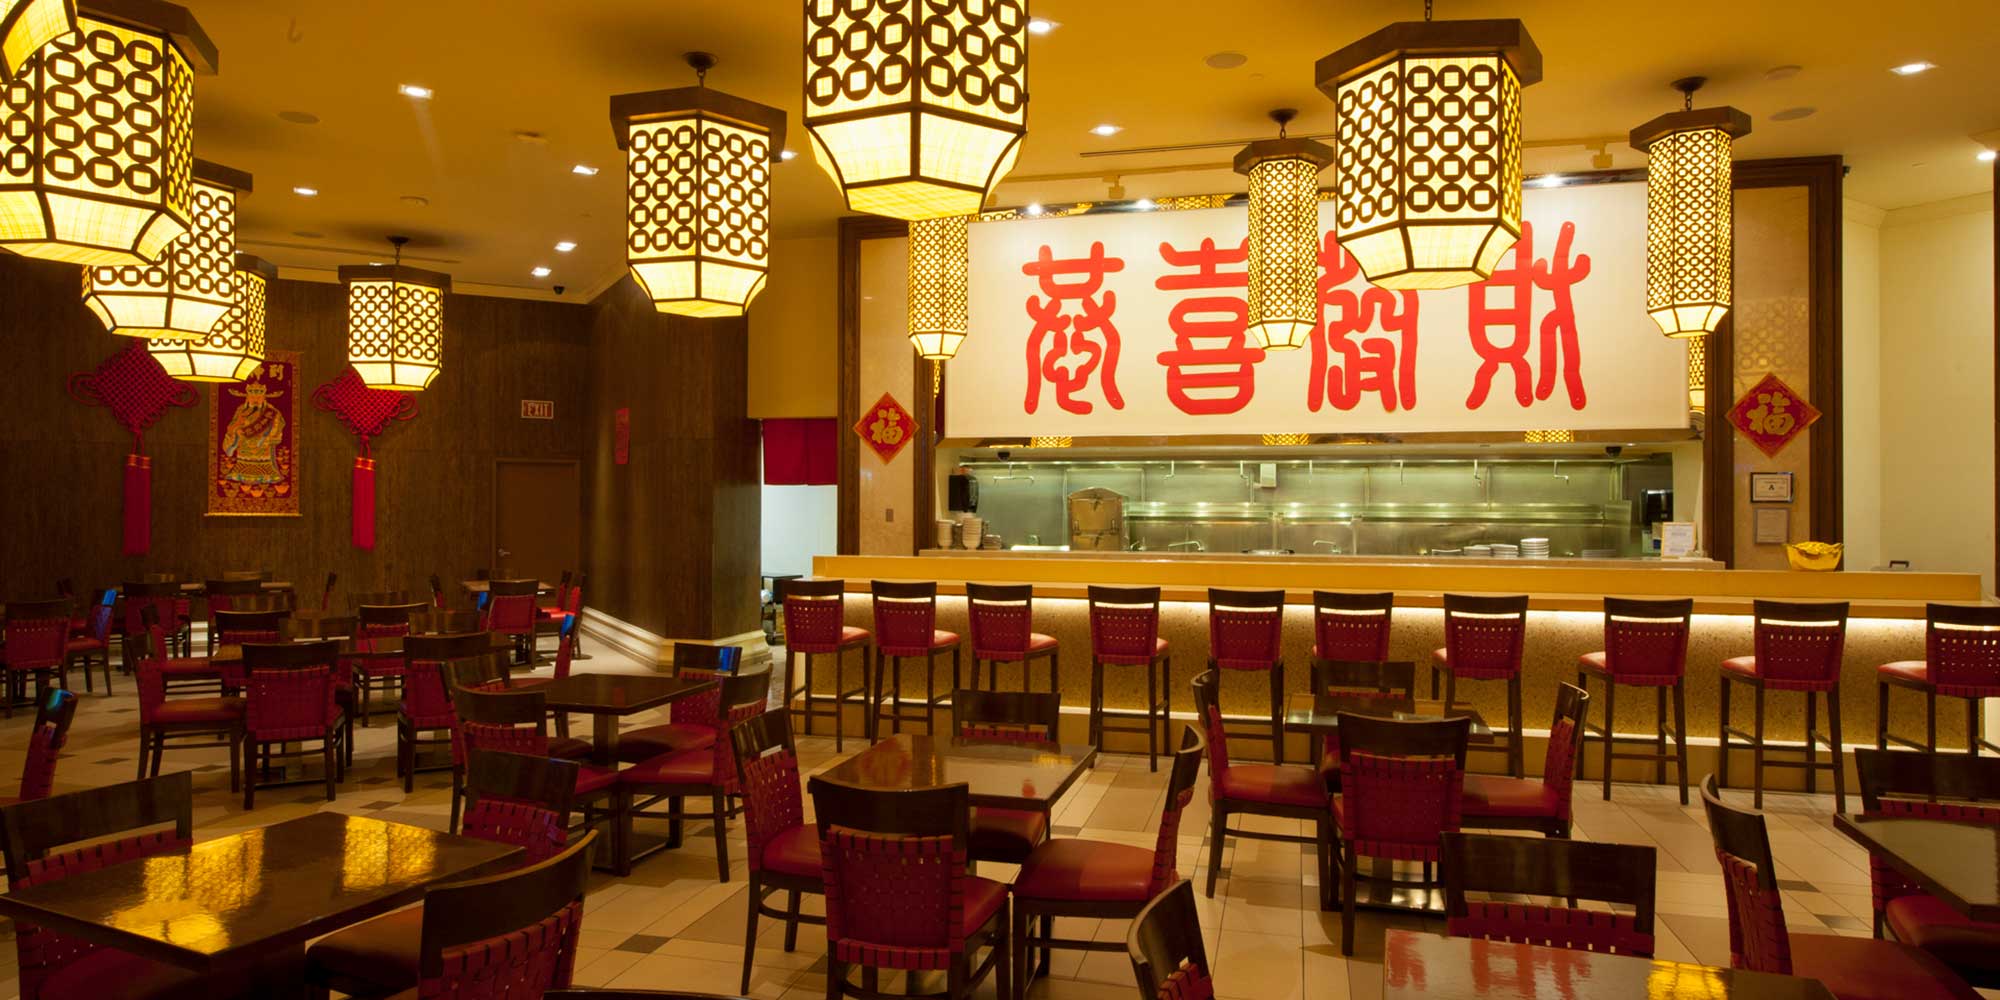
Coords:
pixel 240 897
pixel 482 586
pixel 998 773
pixel 1956 862
pixel 1319 713
pixel 381 648
pixel 1429 966
pixel 618 694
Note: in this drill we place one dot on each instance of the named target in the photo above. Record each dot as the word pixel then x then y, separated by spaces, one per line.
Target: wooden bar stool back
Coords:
pixel 1001 620
pixel 1645 646
pixel 906 627
pixel 815 625
pixel 1351 627
pixel 1798 648
pixel 1961 660
pixel 1246 633
pixel 1483 641
pixel 1125 632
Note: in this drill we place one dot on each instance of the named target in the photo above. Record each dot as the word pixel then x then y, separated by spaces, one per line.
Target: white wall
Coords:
pixel 799 522
pixel 1861 388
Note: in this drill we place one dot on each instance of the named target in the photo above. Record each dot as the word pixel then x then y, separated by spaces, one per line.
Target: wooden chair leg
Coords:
pixel 1757 752
pixel 1722 736
pixel 895 694
pixel 1839 756
pixel 1347 900
pixel 1881 715
pixel 1680 737
pixel 145 751
pixel 1660 736
pixel 1019 952
pixel 1972 726
pixel 250 776
pixel 1812 743
pixel 1218 827
pixel 1094 712
pixel 791 920
pixel 328 762
pixel 1930 721
pixel 1610 715
pixel 1517 756
pixel 718 803
pixel 1277 673
pixel 1152 731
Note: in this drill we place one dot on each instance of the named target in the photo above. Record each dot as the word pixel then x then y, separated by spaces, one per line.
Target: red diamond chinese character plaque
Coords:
pixel 1771 415
pixel 886 428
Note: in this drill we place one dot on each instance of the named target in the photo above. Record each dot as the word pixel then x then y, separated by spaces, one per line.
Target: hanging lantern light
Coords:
pixel 97 137
pixel 1428 192
pixel 395 322
pixel 27 25
pixel 916 117
pixel 1697 374
pixel 185 294
pixel 939 262
pixel 1689 213
pixel 1283 297
pixel 233 350
pixel 698 195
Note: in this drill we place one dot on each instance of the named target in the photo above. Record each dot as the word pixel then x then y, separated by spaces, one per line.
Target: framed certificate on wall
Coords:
pixel 1770 487
pixel 1774 526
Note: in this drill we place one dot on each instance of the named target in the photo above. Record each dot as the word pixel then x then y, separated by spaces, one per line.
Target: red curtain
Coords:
pixel 364 503
pixel 801 452
pixel 138 505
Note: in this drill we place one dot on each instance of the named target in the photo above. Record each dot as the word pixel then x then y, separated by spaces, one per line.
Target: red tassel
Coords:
pixel 138 505
pixel 364 503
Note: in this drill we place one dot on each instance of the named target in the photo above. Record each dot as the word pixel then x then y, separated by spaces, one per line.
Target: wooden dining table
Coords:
pixel 998 774
pixel 357 648
pixel 482 586
pixel 1319 714
pixel 1956 862
pixel 249 902
pixel 1420 966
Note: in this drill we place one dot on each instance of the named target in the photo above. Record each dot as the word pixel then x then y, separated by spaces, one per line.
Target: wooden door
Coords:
pixel 537 518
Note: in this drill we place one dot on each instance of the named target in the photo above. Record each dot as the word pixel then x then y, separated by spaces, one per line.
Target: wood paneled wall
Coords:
pixel 61 461
pixel 674 547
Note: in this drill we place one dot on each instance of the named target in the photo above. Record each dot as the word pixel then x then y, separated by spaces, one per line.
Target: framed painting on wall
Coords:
pixel 253 442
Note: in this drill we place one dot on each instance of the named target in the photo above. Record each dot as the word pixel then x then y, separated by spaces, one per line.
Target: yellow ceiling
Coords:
pixel 498 202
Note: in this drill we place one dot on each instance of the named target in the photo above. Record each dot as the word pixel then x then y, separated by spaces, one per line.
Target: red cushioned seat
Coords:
pixel 1006 834
pixel 382 951
pixel 1496 795
pixel 794 852
pixel 673 737
pixel 1440 655
pixel 1038 642
pixel 940 639
pixel 112 973
pixel 1288 784
pixel 1073 869
pixel 983 897
pixel 1595 661
pixel 176 710
pixel 1116 660
pixel 590 780
pixel 1868 969
pixel 1328 768
pixel 849 635
pixel 688 767
pixel 569 748
pixel 1743 666
pixel 1930 923
pixel 87 645
pixel 1918 671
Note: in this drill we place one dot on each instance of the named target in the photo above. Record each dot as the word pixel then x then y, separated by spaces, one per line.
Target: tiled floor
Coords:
pixel 671 925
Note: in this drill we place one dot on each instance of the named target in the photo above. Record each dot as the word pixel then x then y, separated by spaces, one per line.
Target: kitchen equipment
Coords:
pixel 1534 548
pixel 1097 520
pixel 962 491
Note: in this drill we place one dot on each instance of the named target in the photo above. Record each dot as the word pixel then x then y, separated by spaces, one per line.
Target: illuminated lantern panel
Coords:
pixel 27 25
pixel 939 262
pixel 233 350
pixel 185 295
pixel 395 324
pixel 1697 374
pixel 1428 174
pixel 698 196
pixel 916 109
pixel 1689 218
pixel 1283 297
pixel 97 140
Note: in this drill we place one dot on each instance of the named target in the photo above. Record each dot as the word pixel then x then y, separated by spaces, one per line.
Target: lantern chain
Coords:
pixel 1427 10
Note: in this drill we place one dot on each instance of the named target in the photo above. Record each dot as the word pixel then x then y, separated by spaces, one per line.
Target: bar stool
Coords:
pixel 1001 618
pixel 1351 628
pixel 1483 637
pixel 1245 632
pixel 1798 648
pixel 1125 632
pixel 906 626
pixel 813 613
pixel 1961 660
pixel 1645 646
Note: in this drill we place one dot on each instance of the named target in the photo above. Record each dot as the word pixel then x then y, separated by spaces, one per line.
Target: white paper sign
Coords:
pixel 1131 324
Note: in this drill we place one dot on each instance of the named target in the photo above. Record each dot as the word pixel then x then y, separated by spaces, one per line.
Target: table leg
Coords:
pixel 604 742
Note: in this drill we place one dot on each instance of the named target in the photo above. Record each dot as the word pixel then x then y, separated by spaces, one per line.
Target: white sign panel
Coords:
pixel 1131 324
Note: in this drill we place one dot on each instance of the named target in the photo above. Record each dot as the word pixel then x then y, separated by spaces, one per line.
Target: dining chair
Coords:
pixel 1000 621
pixel 510 721
pixel 781 847
pixel 37 644
pixel 1851 968
pixel 899 893
pixel 1511 867
pixel 234 628
pixel 120 822
pixel 906 628
pixel 570 607
pixel 225 595
pixel 549 617
pixel 1946 787
pixel 1402 783
pixel 163 597
pixel 1125 632
pixel 1102 880
pixel 512 935
pixel 326 591
pixel 690 721
pixel 1289 791
pixel 510 610
pixel 1961 660
pixel 704 772
pixel 182 723
pixel 1353 628
pixel 814 627
pixel 565 654
pixel 997 834
pixel 94 644
pixel 1164 942
pixel 1373 680
pixel 523 801
pixel 1483 641
pixel 1645 646
pixel 1246 635
pixel 54 711
pixel 1545 805
pixel 426 708
pixel 288 702
pixel 1798 647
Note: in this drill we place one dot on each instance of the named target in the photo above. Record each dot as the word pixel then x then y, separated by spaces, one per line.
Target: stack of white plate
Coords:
pixel 1534 548
pixel 1478 551
pixel 1503 550
pixel 971 530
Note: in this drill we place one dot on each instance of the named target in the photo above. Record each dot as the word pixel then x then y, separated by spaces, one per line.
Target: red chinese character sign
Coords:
pixel 1132 324
pixel 1770 415
pixel 138 392
pixel 367 413
pixel 253 442
pixel 886 428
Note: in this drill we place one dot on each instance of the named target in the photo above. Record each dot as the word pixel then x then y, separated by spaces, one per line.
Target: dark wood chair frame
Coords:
pixel 1809 762
pixel 369 615
pixel 258 754
pixel 1386 737
pixel 753 738
pixel 799 682
pixel 1507 739
pixel 1165 935
pixel 1562 869
pixel 1667 610
pixel 231 586
pixel 450 651
pixel 1928 776
pixel 108 600
pixel 1152 719
pixel 745 688
pixel 516 708
pixel 154 737
pixel 462 913
pixel 890 689
pixel 1255 600
pixel 1572 703
pixel 524 643
pixel 1934 616
pixel 30 829
pixel 1010 593
pixel 1220 808
pixel 16 680
pixel 1393 677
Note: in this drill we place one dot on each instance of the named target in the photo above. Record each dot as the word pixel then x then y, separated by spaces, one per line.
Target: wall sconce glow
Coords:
pixel 234 350
pixel 395 322
pixel 76 189
pixel 1428 176
pixel 1283 294
pixel 698 194
pixel 27 25
pixel 916 117
pixel 187 293
pixel 940 262
pixel 1689 220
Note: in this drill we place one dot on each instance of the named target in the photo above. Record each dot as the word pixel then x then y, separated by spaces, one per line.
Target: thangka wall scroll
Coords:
pixel 253 442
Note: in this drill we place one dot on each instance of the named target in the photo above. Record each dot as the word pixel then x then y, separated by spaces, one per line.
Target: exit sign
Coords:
pixel 538 409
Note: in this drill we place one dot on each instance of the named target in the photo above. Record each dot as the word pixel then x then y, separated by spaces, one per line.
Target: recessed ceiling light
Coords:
pixel 1226 60
pixel 565 246
pixel 1793 114
pixel 299 117
pixel 1551 181
pixel 306 192
pixel 1912 68
pixel 541 272
pixel 1106 129
pixel 412 90
pixel 416 201
pixel 1034 208
pixel 1042 25
pixel 584 170
pixel 1987 156
pixel 1144 205
pixel 788 155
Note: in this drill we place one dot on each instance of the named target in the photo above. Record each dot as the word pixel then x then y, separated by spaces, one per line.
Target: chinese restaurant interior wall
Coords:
pixel 887 365
pixel 794 333
pixel 1861 379
pixel 1772 335
pixel 63 461
pixel 1937 386
pixel 673 547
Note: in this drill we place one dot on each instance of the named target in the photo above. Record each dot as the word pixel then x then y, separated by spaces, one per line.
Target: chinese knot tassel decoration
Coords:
pixel 137 391
pixel 364 503
pixel 367 413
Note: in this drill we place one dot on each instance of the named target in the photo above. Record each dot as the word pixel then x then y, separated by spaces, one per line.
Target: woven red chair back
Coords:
pixel 1180 791
pixel 1559 764
pixel 37 641
pixel 1001 627
pixel 697 709
pixel 1484 644
pixel 524 963
pixel 511 613
pixel 1552 927
pixel 426 699
pixel 1245 629
pixel 566 647
pixel 291 704
pixel 41 952
pixel 1358 635
pixel 772 802
pixel 1206 706
pixel 1758 939
pixel 500 737
pixel 1799 646
pixel 100 621
pixel 163 605
pixel 38 775
pixel 1124 624
pixel 1187 983
pixel 893 901
pixel 905 620
pixel 535 829
pixel 813 622
pixel 1640 648
pixel 1395 807
pixel 1962 649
